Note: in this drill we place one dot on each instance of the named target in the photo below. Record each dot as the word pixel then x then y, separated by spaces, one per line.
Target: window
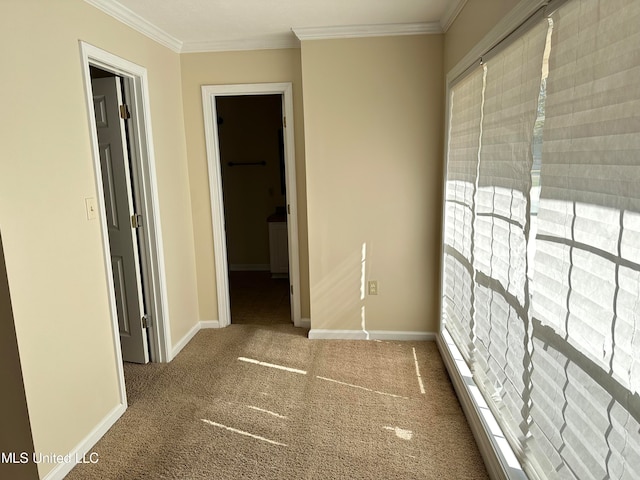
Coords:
pixel 541 267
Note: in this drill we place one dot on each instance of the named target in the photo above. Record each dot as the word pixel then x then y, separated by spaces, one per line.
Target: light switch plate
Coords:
pixel 92 208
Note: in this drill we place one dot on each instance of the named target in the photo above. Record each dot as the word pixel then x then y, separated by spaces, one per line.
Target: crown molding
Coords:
pixel 235 45
pixel 135 21
pixel 451 14
pixel 123 14
pixel 356 31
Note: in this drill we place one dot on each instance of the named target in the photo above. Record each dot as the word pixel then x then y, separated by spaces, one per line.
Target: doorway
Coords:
pixel 282 93
pixel 251 142
pixel 146 311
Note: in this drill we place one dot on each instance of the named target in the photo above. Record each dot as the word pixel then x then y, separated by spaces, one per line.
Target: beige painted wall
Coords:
pixel 265 66
pixel 53 253
pixel 475 20
pixel 373 123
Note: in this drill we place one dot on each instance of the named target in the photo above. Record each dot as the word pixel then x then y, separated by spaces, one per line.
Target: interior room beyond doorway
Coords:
pixel 251 142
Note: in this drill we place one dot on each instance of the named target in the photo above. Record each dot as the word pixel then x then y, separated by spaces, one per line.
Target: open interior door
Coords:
pixel 121 219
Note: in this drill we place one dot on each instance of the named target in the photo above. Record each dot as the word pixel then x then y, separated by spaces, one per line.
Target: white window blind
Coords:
pixel 501 230
pixel 465 112
pixel 541 267
pixel 586 282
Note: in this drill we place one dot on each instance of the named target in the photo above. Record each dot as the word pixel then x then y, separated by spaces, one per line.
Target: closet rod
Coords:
pixel 245 164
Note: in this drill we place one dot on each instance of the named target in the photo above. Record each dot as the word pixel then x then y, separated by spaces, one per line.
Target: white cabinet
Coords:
pixel 278 249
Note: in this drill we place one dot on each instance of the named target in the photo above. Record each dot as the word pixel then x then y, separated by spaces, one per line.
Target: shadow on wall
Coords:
pixel 16 443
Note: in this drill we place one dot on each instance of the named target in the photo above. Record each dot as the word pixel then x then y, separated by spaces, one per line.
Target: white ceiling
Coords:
pixel 215 25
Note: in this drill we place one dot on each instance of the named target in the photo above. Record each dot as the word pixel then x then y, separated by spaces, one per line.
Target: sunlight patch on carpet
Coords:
pixel 272 365
pixel 242 432
pixel 266 411
pixel 361 388
pixel 415 359
pixel 401 432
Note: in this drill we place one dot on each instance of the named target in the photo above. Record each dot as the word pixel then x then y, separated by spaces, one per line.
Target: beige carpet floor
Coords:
pixel 261 401
pixel 256 298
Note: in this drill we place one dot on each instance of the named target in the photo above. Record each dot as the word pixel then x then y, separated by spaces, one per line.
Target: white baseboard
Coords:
pixel 83 448
pixel 209 324
pixel 400 335
pixel 191 333
pixel 249 267
pixel 319 334
pixel 303 323
pixel 184 340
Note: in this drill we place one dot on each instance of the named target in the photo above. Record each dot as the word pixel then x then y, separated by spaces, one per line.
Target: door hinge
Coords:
pixel 136 220
pixel 291 289
pixel 146 321
pixel 289 208
pixel 124 112
pixel 284 121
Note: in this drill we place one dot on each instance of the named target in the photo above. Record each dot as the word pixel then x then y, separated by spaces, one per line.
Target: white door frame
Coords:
pixel 143 164
pixel 209 94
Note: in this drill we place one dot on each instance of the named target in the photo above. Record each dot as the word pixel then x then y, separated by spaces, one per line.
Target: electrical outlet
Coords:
pixel 373 287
